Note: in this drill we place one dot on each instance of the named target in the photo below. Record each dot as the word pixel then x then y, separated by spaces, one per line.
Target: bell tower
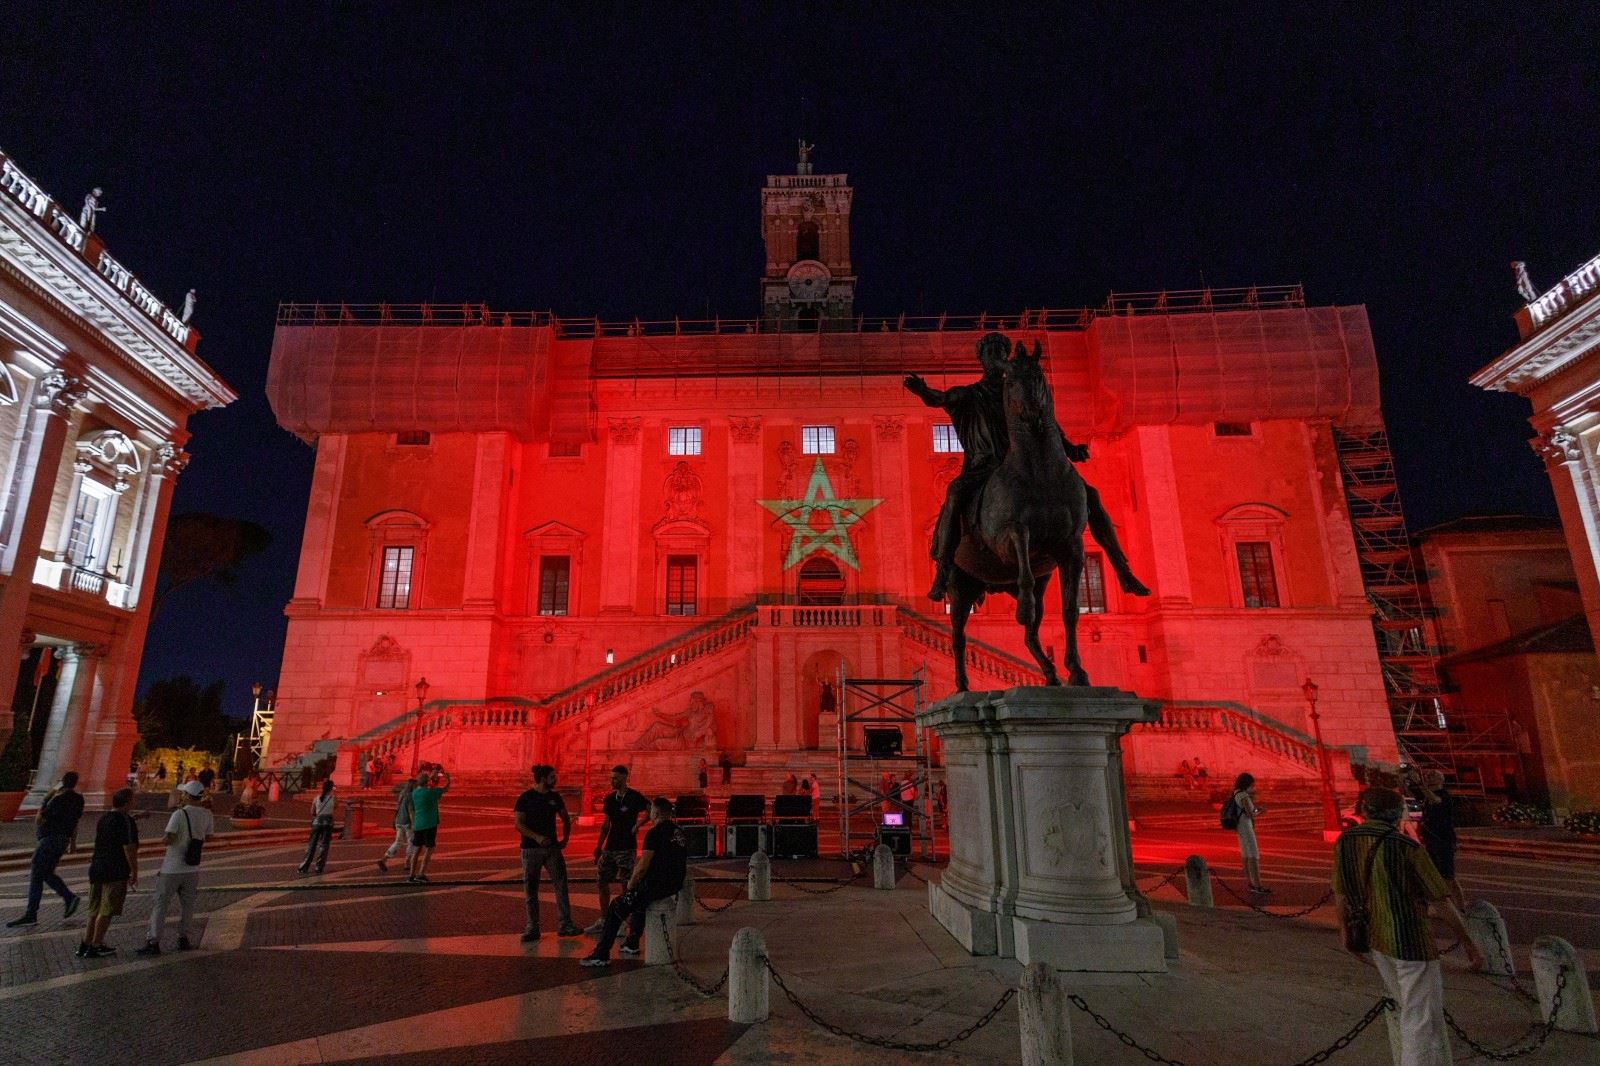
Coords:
pixel 805 223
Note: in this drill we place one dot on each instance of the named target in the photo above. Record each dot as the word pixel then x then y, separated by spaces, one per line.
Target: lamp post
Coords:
pixel 1331 822
pixel 422 687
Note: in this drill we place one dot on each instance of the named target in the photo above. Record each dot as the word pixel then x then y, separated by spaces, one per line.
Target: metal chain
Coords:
pixel 836 886
pixel 874 1041
pixel 1327 898
pixel 915 876
pixel 1544 1029
pixel 716 910
pixel 1373 1014
pixel 682 971
pixel 1511 974
pixel 1161 882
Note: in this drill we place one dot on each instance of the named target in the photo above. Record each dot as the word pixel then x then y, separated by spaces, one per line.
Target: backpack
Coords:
pixel 1231 813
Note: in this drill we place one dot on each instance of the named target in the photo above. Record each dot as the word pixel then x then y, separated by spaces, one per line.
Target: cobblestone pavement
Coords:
pixel 355 966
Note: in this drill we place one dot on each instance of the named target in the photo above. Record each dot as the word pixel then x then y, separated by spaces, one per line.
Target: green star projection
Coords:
pixel 834 537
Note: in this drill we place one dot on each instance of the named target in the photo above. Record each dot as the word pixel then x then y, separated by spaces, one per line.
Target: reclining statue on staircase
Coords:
pixel 694 729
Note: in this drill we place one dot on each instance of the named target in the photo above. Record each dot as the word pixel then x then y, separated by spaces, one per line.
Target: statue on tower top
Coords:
pixel 1525 287
pixel 804 166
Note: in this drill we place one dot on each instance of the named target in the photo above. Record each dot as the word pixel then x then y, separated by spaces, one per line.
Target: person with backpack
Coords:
pixel 1239 814
pixel 322 810
pixel 186 833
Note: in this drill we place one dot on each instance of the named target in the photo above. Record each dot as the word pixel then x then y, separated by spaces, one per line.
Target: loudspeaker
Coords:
pixel 898 839
pixel 794 840
pixel 745 839
pixel 746 808
pixel 791 807
pixel 883 742
pixel 692 808
pixel 701 839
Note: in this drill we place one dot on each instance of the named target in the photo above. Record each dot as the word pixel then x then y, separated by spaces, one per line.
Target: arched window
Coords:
pixel 821 582
pixel 807 242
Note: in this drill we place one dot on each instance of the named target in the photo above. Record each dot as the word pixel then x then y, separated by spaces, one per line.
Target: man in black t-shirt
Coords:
pixel 113 869
pixel 658 875
pixel 535 815
pixel 613 851
pixel 57 823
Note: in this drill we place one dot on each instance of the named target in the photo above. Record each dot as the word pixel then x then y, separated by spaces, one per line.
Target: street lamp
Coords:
pixel 586 798
pixel 421 687
pixel 1332 825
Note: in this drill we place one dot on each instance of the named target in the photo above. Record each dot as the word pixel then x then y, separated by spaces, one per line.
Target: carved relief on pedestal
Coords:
pixel 624 430
pixel 746 429
pixel 1075 835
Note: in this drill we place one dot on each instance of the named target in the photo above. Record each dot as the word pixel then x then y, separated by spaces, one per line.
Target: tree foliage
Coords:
pixel 178 713
pixel 202 546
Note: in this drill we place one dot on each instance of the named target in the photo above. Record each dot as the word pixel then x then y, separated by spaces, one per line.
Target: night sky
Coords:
pixel 609 165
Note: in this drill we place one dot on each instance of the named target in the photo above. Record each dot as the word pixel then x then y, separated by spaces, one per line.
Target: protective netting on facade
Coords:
pixel 534 376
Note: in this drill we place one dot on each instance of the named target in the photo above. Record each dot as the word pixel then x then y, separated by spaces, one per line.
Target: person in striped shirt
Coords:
pixel 1398 886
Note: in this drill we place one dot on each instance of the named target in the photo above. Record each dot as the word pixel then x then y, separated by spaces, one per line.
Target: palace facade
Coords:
pixel 97 380
pixel 532 537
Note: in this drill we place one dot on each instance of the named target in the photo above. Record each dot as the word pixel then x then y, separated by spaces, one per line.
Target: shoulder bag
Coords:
pixel 191 852
pixel 1357 924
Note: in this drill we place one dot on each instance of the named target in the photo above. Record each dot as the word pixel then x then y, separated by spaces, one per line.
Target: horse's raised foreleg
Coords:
pixel 1071 565
pixel 1026 600
pixel 1030 631
pixel 964 592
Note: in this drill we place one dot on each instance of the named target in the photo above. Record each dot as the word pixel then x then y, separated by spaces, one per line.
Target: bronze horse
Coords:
pixel 1026 523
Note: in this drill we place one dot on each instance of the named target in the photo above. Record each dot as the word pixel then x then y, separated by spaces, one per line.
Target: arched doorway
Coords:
pixel 822 668
pixel 821 582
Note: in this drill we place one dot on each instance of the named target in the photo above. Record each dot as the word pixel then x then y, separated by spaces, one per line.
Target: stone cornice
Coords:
pixel 36 258
pixel 1546 353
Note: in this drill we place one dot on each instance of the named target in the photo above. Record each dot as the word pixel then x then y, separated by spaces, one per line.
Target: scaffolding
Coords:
pixel 885 702
pixel 1402 619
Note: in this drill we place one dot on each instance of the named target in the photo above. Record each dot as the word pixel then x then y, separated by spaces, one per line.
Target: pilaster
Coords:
pixel 322 513
pixel 619 579
pixel 744 516
pixel 1165 517
pixel 488 516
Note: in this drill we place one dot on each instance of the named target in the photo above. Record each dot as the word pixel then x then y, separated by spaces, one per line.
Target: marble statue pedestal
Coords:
pixel 1040 865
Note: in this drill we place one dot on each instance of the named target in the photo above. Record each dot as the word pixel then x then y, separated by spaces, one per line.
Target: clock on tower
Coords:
pixel 805 223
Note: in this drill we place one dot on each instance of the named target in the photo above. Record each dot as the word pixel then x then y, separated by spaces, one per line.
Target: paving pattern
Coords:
pixel 357 967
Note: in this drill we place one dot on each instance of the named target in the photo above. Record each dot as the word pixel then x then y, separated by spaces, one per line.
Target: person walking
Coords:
pixel 1438 831
pixel 1384 887
pixel 402 826
pixel 187 830
pixel 1245 810
pixel 705 776
pixel 56 830
pixel 425 796
pixel 618 840
pixel 113 869
pixel 535 814
pixel 322 811
pixel 658 875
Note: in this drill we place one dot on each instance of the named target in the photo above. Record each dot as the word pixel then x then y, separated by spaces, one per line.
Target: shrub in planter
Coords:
pixel 1585 822
pixel 1522 814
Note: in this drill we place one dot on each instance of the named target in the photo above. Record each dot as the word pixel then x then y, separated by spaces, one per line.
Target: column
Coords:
pixel 68 708
pixel 745 516
pixel 80 469
pixel 483 532
pixel 1573 480
pixel 111 727
pixel 322 509
pixel 1165 517
pixel 53 400
pixel 619 578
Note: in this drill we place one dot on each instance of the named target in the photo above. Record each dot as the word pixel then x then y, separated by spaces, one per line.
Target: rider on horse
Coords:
pixel 977 411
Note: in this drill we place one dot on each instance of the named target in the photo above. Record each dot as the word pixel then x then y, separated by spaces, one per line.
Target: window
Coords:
pixel 562 449
pixel 807 241
pixel 555 577
pixel 816 440
pixel 86 541
pixel 1255 573
pixel 683 440
pixel 1233 429
pixel 394 583
pixel 945 439
pixel 681 584
pixel 416 438
pixel 1092 586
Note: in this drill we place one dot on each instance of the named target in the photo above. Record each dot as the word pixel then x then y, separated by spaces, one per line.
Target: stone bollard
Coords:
pixel 883 875
pixel 759 883
pixel 1198 875
pixel 657 928
pixel 1550 955
pixel 747 978
pixel 1042 1018
pixel 1488 931
pixel 686 899
pixel 1169 932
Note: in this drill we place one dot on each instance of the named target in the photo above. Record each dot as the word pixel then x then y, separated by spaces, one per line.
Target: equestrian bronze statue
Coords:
pixel 1017 511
